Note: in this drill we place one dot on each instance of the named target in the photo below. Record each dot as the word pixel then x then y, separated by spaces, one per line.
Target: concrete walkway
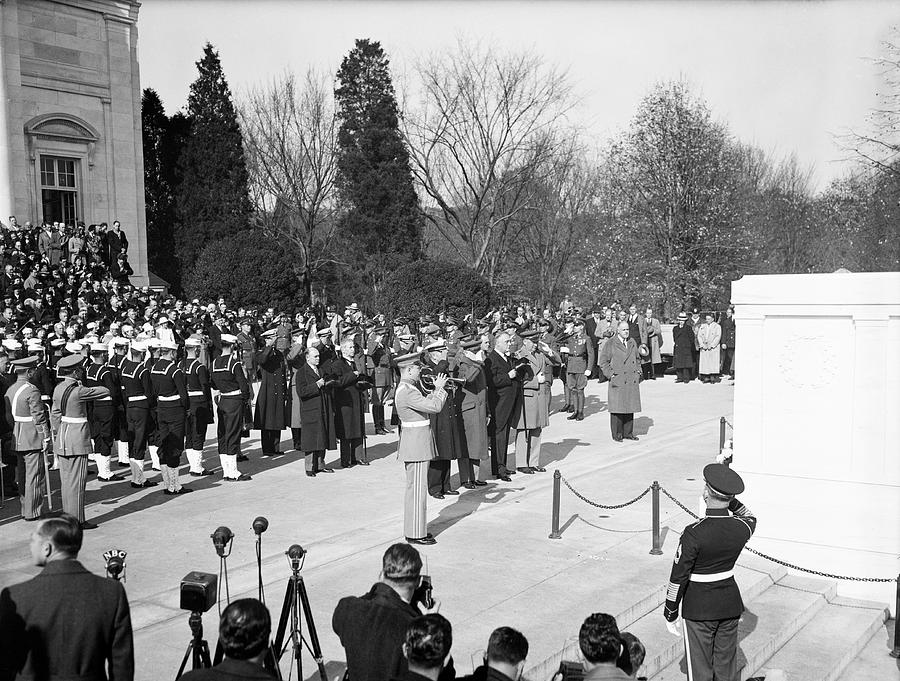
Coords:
pixel 493 564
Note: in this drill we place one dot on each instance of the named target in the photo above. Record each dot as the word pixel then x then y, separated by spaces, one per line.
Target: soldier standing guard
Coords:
pixel 30 436
pixel 170 393
pixel 102 414
pixel 416 444
pixel 379 362
pixel 579 365
pixel 229 379
pixel 272 413
pixel 72 433
pixel 702 579
pixel 120 427
pixel 534 415
pixel 136 391
pixel 199 414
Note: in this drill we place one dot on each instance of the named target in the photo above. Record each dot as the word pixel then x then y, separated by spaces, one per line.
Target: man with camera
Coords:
pixel 244 630
pixel 504 659
pixel 427 649
pixel 602 649
pixel 372 628
pixel 65 623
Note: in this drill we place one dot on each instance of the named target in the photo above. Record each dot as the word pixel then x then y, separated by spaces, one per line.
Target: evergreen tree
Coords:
pixel 383 226
pixel 158 192
pixel 212 200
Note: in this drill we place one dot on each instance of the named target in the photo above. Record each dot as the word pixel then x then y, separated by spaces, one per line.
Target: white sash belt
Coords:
pixel 168 398
pixel 713 577
pixel 232 393
pixel 415 424
pixel 195 393
pixel 74 419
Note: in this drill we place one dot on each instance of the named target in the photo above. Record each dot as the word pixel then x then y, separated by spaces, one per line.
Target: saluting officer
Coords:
pixel 378 360
pixel 702 579
pixel 229 379
pixel 72 433
pixel 579 366
pixel 136 392
pixel 199 414
pixel 103 411
pixel 170 393
pixel 30 436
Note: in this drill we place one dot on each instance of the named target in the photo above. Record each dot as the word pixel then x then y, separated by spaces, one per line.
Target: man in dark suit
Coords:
pixel 350 384
pixel 503 390
pixel 244 630
pixel 316 414
pixel 66 622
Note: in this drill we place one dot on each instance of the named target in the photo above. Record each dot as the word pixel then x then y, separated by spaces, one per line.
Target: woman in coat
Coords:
pixel 709 338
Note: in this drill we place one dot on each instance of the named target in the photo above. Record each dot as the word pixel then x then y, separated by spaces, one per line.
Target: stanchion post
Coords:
pixel 554 530
pixel 656 550
pixel 721 433
pixel 896 651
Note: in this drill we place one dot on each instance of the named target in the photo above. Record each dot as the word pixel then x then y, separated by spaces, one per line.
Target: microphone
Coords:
pixel 220 538
pixel 260 525
pixel 295 552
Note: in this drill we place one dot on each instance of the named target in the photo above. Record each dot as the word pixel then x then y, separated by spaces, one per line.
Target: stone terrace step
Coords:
pixel 771 617
pixel 823 649
pixel 874 661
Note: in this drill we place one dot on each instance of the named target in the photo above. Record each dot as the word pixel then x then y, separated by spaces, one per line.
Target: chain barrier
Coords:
pixel 817 573
pixel 611 507
pixel 727 423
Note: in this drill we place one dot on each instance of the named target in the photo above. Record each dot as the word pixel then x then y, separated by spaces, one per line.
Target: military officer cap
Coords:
pixel 406 336
pixel 269 333
pixel 431 329
pixel 25 362
pixel 345 330
pixel 544 323
pixel 324 332
pixel 399 321
pixel 97 348
pixel 69 362
pixel 228 339
pixel 12 344
pixel 722 480
pixel 436 346
pixel 578 321
pixel 469 342
pixel 530 334
pixel 378 330
pixel 409 359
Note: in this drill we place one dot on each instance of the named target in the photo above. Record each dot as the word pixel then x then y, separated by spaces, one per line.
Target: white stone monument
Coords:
pixel 817 421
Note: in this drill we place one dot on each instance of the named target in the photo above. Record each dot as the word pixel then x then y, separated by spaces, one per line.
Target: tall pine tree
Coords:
pixel 383 226
pixel 212 200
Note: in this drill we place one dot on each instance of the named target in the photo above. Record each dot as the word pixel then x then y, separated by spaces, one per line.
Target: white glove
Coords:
pixel 541 378
pixel 564 350
pixel 673 628
pixel 587 372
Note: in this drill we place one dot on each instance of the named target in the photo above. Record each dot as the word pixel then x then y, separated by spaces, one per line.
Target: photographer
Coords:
pixel 244 630
pixel 504 659
pixel 602 650
pixel 426 648
pixel 372 628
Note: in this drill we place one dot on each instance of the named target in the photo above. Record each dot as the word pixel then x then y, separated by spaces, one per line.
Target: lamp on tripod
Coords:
pixel 295 598
pixel 198 593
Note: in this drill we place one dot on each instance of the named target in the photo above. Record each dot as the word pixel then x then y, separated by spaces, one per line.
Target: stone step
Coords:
pixel 770 618
pixel 636 595
pixel 825 647
pixel 874 660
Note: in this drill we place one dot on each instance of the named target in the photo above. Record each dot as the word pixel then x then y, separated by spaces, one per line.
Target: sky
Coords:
pixel 786 76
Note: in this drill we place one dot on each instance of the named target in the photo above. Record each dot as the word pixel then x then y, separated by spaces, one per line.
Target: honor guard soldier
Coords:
pixel 119 347
pixel 416 443
pixel 579 366
pixel 72 433
pixel 229 379
pixel 702 580
pixel 327 351
pixel 42 378
pixel 150 358
pixel 379 363
pixel 103 411
pixel 136 391
pixel 170 394
pixel 199 414
pixel 30 436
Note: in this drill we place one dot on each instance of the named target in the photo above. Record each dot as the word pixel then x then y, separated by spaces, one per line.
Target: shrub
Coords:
pixel 427 287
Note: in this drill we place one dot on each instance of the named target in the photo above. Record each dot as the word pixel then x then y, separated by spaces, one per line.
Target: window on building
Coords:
pixel 59 189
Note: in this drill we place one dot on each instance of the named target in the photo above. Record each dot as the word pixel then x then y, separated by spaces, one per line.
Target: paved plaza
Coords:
pixel 493 564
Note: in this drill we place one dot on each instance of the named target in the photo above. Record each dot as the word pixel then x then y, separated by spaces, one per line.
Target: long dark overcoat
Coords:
pixel 446 425
pixel 503 391
pixel 348 398
pixel 620 364
pixel 683 355
pixel 316 412
pixel 273 410
pixel 472 401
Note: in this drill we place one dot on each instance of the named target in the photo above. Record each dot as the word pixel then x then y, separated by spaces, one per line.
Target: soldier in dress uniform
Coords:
pixel 378 361
pixel 72 433
pixel 30 436
pixel 119 348
pixel 327 351
pixel 471 399
pixel 150 358
pixel 172 403
pixel 446 428
pixel 134 377
pixel 229 378
pixel 199 414
pixel 103 410
pixel 272 414
pixel 248 348
pixel 416 447
pixel 42 377
pixel 534 415
pixel 702 579
pixel 579 365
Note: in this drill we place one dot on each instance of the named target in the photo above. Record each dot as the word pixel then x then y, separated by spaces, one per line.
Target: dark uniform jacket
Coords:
pixel 347 396
pixel 316 413
pixel 446 425
pixel 581 355
pixel 728 332
pixel 229 670
pixel 135 380
pixel 503 391
pixel 228 376
pixel 709 549
pixel 273 407
pixel 196 376
pixel 168 383
pixel 65 623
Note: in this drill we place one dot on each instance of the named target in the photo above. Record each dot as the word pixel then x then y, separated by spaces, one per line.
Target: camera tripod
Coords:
pixel 198 649
pixel 295 597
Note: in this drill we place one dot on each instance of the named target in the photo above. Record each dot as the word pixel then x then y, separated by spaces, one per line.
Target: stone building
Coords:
pixel 70 116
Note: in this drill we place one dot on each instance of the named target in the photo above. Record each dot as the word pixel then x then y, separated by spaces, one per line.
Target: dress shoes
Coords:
pixel 451 493
pixel 111 478
pixel 241 478
pixel 568 408
pixel 146 483
pixel 201 474
pixel 326 470
pixel 436 496
pixel 382 431
pixel 310 474
pixel 424 541
pixel 87 525
pixel 539 469
pixel 617 439
pixel 579 416
pixel 480 483
pixel 631 437
pixel 572 416
pixel 527 470
pixel 504 478
pixel 242 457
pixel 469 485
pixel 363 463
pixel 183 490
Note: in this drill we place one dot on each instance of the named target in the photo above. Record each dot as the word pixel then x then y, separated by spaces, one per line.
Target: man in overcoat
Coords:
pixel 378 361
pixel 503 391
pixel 708 338
pixel 683 354
pixel 272 413
pixel 349 386
pixel 534 415
pixel 619 363
pixel 446 427
pixel 65 623
pixel 316 414
pixel 651 336
pixel 472 405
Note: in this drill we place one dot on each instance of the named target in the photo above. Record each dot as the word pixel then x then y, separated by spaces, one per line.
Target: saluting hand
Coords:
pixel 440 381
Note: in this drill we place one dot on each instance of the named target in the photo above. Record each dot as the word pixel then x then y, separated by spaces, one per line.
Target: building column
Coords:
pixel 7 199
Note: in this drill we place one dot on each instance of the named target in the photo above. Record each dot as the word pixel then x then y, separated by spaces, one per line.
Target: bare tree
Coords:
pixel 476 140
pixel 289 134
